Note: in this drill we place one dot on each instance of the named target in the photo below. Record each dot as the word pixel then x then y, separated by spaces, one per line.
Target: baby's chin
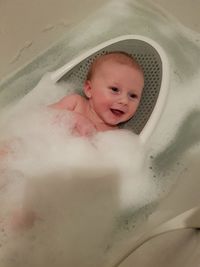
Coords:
pixel 115 124
pixel 118 122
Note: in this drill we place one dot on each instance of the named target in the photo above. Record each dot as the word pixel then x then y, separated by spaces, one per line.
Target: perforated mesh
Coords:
pixel 150 61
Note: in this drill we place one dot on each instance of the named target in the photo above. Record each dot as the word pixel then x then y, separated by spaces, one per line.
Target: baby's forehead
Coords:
pixel 113 58
pixel 116 58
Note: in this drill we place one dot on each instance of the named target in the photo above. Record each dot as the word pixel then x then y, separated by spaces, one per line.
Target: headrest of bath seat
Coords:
pixel 152 59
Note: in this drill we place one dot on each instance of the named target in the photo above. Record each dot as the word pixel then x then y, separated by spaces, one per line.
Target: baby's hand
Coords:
pixel 79 124
pixel 22 220
pixel 6 147
pixel 83 126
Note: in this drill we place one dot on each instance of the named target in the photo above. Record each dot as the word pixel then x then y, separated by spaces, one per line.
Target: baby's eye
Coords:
pixel 133 96
pixel 114 89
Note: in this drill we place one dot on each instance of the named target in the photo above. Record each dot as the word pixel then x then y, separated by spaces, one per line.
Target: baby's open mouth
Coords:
pixel 117 112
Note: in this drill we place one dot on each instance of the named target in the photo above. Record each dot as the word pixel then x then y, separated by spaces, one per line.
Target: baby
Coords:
pixel 113 90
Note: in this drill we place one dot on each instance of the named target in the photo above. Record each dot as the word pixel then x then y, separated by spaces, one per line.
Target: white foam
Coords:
pixel 72 183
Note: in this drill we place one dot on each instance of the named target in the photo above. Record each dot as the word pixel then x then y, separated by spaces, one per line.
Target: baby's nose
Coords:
pixel 123 100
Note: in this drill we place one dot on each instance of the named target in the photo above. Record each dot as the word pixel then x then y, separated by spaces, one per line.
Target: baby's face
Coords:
pixel 114 92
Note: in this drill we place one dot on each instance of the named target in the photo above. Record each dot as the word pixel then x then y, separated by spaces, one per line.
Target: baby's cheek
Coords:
pixel 133 108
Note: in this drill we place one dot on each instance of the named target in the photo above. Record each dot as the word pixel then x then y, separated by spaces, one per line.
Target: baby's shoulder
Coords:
pixel 77 97
pixel 73 98
pixel 77 102
pixel 69 102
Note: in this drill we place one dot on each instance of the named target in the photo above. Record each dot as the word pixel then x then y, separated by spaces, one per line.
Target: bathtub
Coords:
pixel 33 44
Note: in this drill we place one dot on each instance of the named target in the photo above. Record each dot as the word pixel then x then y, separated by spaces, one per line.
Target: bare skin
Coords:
pixel 83 116
pixel 22 220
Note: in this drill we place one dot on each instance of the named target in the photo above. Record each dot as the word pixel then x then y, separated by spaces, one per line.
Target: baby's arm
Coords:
pixel 82 125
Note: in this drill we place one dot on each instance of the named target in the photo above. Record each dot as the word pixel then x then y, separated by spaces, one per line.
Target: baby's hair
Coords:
pixel 116 56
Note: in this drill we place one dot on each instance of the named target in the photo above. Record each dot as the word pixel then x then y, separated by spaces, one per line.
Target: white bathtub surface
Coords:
pixel 28 28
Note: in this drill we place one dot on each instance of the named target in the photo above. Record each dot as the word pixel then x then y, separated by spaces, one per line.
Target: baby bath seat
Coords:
pixel 154 62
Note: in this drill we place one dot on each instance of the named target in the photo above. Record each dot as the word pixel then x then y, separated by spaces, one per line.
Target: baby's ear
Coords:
pixel 87 89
